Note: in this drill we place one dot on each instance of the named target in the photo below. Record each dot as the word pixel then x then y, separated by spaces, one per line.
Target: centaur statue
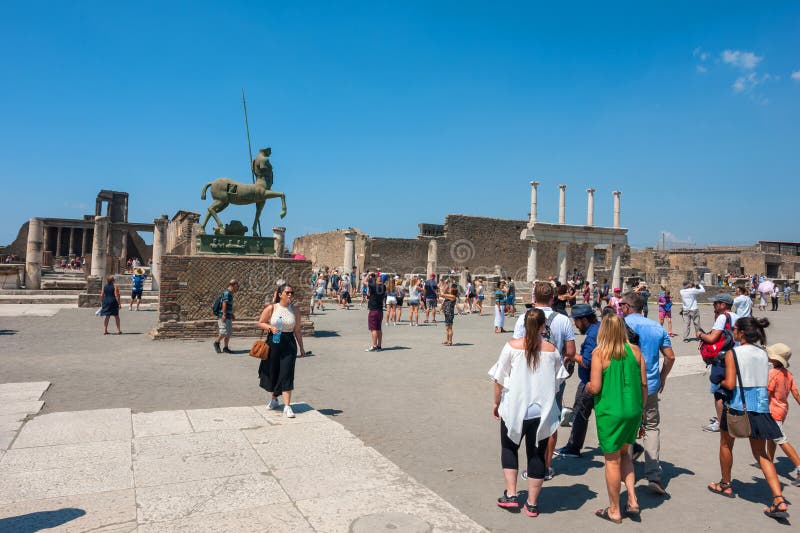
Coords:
pixel 225 191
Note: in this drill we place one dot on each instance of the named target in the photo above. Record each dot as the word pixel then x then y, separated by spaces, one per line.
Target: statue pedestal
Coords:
pixel 235 244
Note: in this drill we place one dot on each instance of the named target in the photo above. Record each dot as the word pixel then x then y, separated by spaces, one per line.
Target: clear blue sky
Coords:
pixel 385 114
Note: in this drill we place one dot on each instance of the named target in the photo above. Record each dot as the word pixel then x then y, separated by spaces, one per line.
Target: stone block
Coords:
pixel 161 423
pixel 336 513
pixel 6 437
pixel 174 501
pixel 303 444
pixel 76 426
pixel 24 391
pixel 180 458
pixel 358 470
pixel 65 470
pixel 277 518
pixel 102 512
pixel 13 408
pixel 225 418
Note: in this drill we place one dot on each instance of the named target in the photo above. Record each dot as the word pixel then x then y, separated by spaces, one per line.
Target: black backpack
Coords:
pixel 217 307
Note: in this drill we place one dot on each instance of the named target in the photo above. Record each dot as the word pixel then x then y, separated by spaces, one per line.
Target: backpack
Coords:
pixel 217 307
pixel 548 334
pixel 710 351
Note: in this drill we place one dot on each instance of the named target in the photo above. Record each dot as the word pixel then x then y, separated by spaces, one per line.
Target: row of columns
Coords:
pixel 562 205
pixel 71 250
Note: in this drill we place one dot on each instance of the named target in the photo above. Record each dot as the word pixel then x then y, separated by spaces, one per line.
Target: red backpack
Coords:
pixel 710 351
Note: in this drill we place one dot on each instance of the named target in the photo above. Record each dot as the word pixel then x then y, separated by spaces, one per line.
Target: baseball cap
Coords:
pixel 723 297
pixel 581 310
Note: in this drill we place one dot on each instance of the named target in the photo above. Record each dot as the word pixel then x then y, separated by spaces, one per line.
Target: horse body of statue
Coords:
pixel 225 191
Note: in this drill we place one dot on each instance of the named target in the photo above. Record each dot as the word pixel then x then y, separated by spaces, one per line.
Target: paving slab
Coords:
pixel 73 427
pixel 32 310
pixel 99 512
pixel 277 518
pixel 24 388
pixel 224 418
pixel 176 501
pixel 65 470
pixel 161 423
pixel 205 455
pixel 305 415
pixel 6 438
pixel 17 407
pixel 302 444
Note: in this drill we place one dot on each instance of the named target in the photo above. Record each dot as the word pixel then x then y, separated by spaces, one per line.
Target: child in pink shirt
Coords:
pixel 781 386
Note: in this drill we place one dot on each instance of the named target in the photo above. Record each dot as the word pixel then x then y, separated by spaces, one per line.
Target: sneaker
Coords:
pixel 551 472
pixel 372 349
pixel 273 404
pixel 226 350
pixel 566 417
pixel 510 503
pixel 216 347
pixel 656 486
pixel 712 426
pixel 531 510
pixel 287 412
pixel 566 452
pixel 638 450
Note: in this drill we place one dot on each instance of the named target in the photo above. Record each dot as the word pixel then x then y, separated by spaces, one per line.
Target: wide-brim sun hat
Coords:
pixel 779 352
pixel 138 270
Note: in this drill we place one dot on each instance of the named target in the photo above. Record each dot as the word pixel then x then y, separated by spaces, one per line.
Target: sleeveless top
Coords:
pixel 754 368
pixel 287 314
pixel 621 394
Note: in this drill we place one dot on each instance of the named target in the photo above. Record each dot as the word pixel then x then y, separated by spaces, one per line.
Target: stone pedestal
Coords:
pixel 190 284
pixel 100 246
pixel 33 254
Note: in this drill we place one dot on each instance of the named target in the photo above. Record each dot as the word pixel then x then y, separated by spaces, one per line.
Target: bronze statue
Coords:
pixel 225 191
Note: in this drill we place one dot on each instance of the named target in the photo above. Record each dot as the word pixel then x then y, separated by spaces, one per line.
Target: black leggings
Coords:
pixel 536 451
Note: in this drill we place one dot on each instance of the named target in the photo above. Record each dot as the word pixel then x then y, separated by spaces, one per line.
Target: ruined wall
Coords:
pixel 396 255
pixel 190 284
pixel 327 248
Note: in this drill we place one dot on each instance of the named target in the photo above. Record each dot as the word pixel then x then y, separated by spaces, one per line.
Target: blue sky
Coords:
pixel 385 114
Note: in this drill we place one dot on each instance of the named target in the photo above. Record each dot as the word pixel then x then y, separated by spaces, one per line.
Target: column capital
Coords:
pixel 616 193
pixel 590 190
pixel 562 186
pixel 535 184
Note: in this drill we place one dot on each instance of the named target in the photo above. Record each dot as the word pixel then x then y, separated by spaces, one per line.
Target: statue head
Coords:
pixel 266 151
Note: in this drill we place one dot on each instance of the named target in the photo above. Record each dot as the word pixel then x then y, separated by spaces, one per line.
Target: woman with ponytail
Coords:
pixel 526 378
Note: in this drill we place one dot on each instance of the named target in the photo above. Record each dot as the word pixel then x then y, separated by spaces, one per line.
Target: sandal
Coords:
pixel 603 513
pixel 721 488
pixel 531 510
pixel 632 511
pixel 774 511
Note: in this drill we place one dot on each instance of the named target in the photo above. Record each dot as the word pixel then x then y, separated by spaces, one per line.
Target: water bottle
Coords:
pixel 276 337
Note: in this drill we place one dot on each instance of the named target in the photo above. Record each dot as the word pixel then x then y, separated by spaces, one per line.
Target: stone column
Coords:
pixel 616 208
pixel 98 207
pixel 562 262
pixel 58 243
pixel 532 261
pixel 123 256
pixel 279 233
pixel 590 208
pixel 71 241
pixel 433 257
pixel 534 185
pixel 159 249
pixel 590 263
pixel 349 252
pixel 33 254
pixel 84 234
pixel 562 204
pixel 616 266
pixel 100 247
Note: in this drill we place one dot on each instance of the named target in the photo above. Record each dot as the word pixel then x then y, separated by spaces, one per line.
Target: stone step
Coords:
pixel 41 292
pixel 64 284
pixel 61 299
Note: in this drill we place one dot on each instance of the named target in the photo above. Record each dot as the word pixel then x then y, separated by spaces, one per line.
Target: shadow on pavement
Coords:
pixel 568 498
pixel 28 523
pixel 330 412
pixel 326 333
pixel 384 349
pixel 8 332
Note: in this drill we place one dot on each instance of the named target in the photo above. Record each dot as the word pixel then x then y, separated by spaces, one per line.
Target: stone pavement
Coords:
pixel 18 401
pixel 227 469
pixel 423 406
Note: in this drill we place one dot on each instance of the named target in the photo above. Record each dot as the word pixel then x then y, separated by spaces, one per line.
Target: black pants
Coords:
pixel 774 303
pixel 535 451
pixel 581 410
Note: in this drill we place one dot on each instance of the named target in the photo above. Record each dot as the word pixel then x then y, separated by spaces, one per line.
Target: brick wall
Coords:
pixel 190 284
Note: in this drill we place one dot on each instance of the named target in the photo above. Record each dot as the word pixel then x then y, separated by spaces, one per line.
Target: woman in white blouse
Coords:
pixel 526 378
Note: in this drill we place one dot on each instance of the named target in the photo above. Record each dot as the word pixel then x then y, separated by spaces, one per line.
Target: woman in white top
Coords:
pixel 277 373
pixel 526 378
pixel 749 394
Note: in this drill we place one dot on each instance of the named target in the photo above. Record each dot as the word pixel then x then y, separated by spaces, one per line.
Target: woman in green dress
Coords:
pixel 619 383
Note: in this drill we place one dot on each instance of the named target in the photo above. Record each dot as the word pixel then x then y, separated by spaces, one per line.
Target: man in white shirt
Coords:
pixel 691 315
pixel 562 335
pixel 722 312
pixel 742 304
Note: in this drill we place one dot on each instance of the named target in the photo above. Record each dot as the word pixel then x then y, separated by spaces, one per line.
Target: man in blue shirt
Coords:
pixel 586 321
pixel 137 288
pixel 653 340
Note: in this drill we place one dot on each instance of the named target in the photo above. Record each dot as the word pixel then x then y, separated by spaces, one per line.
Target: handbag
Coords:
pixel 738 425
pixel 260 349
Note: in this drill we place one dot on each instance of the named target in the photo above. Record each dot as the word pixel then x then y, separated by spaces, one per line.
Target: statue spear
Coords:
pixel 247 128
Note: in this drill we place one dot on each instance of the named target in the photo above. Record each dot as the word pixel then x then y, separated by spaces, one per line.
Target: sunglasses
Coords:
pixel 288 293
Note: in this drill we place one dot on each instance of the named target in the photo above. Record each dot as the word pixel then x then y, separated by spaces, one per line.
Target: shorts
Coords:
pixel 481 297
pixel 346 297
pixel 431 304
pixel 664 314
pixel 136 293
pixel 391 300
pixel 783 439
pixel 320 295
pixel 413 302
pixel 374 319
pixel 225 327
pixel 399 301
